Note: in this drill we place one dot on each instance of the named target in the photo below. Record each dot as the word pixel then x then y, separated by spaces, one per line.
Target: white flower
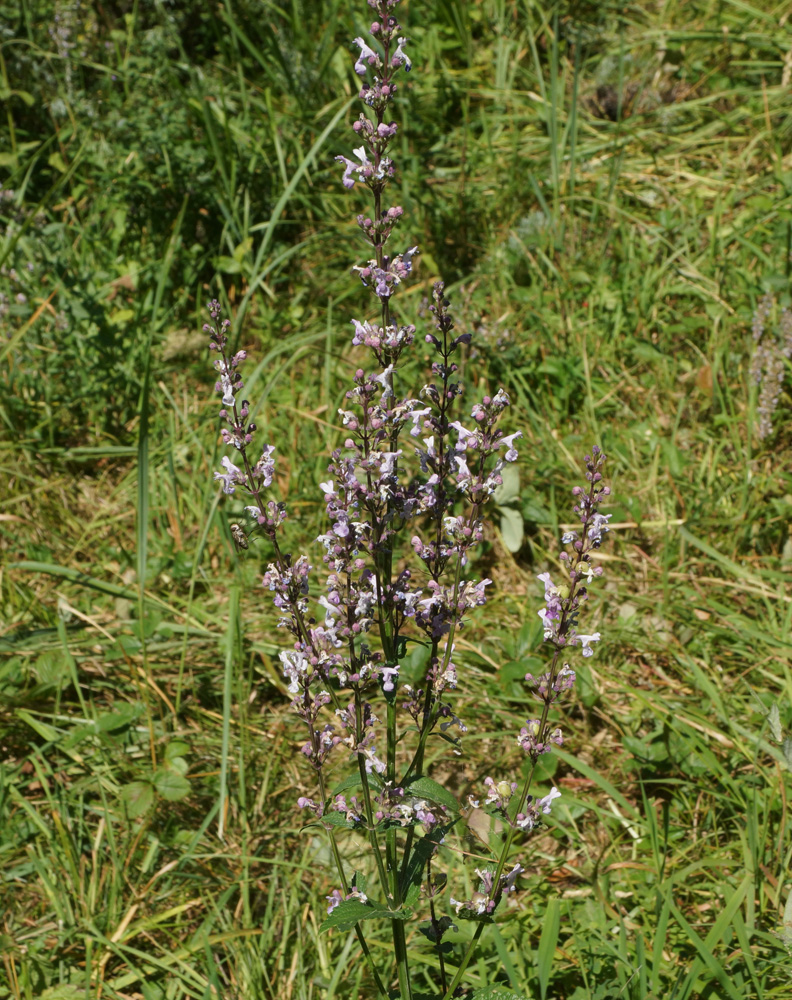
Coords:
pixel 512 454
pixel 387 390
pixel 232 475
pixel 295 665
pixel 366 53
pixel 402 56
pixel 586 640
pixel 545 803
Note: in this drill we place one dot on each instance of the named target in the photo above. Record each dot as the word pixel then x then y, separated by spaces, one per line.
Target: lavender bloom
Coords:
pixel 586 641
pixel 231 476
pixel 487 898
pixel 368 57
pixel 561 611
pixel 400 57
pixel 532 816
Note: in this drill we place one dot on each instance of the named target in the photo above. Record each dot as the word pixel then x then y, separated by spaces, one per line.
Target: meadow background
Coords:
pixel 607 190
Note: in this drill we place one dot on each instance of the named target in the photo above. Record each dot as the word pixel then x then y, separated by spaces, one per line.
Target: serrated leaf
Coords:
pixel 178 765
pixel 653 750
pixel 497 993
pixel 352 911
pixel 354 781
pixel 412 894
pixel 138 796
pixel 171 785
pixel 66 991
pixel 176 748
pixel 227 265
pixel 51 667
pixel 509 490
pixel 511 528
pixel 125 716
pixel 425 788
pixel 774 721
pixel 336 819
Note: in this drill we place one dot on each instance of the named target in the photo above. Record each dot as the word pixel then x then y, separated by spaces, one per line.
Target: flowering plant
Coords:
pixel 413 471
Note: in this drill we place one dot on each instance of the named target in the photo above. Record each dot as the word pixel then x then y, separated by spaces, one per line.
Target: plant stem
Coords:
pixel 345 886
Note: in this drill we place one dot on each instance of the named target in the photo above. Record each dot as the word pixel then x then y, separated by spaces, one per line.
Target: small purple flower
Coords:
pixel 386 381
pixel 545 803
pixel 389 675
pixel 400 57
pixel 598 527
pixel 367 57
pixel 512 454
pixel 231 476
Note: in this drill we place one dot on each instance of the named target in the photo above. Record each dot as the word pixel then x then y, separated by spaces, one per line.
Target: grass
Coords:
pixel 608 192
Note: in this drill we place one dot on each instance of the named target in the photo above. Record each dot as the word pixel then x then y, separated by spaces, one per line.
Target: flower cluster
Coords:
pixel 560 617
pixel 410 480
pixel 768 364
pixel 485 900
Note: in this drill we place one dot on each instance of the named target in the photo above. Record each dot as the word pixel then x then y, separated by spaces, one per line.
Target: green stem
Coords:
pixel 372 833
pixel 345 886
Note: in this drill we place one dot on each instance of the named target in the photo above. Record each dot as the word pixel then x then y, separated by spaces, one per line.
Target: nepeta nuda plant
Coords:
pixel 405 499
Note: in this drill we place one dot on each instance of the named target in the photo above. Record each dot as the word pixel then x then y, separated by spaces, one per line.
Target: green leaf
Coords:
pixel 425 788
pixel 360 881
pixel 56 160
pixel 787 748
pixel 497 993
pixel 171 785
pixel 227 265
pixel 509 490
pixel 51 667
pixel 354 781
pixel 176 748
pixel 125 716
pixel 335 819
pixel 47 732
pixel 138 796
pixel 421 854
pixel 352 911
pixel 66 991
pixel 547 945
pixel 511 528
pixel 652 750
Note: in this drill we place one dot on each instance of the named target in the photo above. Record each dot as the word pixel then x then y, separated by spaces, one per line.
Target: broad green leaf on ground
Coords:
pixel 138 796
pixel 511 528
pixel 497 993
pixel 171 785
